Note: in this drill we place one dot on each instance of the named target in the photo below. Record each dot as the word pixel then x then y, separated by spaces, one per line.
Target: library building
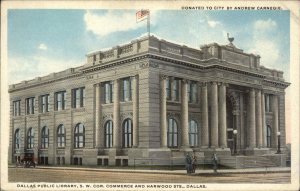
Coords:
pixel 151 102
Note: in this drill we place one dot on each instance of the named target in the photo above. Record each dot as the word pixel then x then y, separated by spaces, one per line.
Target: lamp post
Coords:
pixel 234 136
pixel 278 149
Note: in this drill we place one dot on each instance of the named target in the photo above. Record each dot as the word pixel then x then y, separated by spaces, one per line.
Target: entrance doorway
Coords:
pixel 230 124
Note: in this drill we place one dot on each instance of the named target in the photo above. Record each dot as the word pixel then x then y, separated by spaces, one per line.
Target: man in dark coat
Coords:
pixel 215 162
pixel 188 161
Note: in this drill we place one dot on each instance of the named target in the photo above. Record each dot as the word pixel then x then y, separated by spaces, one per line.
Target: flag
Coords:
pixel 141 15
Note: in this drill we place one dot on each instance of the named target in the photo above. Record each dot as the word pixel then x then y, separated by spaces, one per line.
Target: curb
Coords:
pixel 258 171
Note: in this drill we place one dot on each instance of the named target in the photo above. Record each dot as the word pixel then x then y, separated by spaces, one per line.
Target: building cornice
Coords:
pixel 26 86
pixel 216 65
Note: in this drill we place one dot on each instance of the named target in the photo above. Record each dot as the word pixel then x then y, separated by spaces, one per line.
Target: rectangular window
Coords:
pixel 17 108
pixel 30 105
pixel 44 103
pixel 60 100
pixel 78 97
pixel 168 88
pixel 108 92
pixel 175 90
pixel 192 92
pixel 126 90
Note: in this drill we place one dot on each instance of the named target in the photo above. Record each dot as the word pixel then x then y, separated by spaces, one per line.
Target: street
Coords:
pixel 86 176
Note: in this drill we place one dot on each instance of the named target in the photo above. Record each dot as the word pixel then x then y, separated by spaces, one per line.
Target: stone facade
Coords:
pixel 150 102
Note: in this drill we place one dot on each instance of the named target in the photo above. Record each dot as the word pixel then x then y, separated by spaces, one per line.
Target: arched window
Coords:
pixel 193 133
pixel 45 138
pixel 30 138
pixel 127 133
pixel 108 134
pixel 172 133
pixel 61 136
pixel 17 139
pixel 79 136
pixel 269 136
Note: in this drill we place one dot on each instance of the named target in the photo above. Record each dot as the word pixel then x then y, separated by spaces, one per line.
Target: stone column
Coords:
pixel 263 118
pixel 135 112
pixel 214 115
pixel 242 133
pixel 163 110
pixel 258 118
pixel 275 120
pixel 251 119
pixel 99 141
pixel 204 110
pixel 185 114
pixel 116 115
pixel 222 116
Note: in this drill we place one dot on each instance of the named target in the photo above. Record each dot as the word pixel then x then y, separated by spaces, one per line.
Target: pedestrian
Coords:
pixel 194 163
pixel 215 162
pixel 188 162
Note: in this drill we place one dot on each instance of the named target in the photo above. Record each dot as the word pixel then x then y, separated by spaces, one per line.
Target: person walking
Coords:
pixel 188 161
pixel 194 163
pixel 215 162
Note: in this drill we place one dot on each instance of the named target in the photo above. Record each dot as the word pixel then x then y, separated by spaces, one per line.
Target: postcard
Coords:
pixel 150 95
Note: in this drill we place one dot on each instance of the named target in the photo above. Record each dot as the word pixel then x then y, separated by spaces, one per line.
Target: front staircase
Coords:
pixel 263 161
pixel 256 162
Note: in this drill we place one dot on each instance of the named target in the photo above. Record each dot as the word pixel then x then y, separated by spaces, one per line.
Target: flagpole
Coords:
pixel 148 24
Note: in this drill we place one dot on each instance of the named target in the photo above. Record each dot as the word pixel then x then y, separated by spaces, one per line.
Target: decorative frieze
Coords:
pixel 172 50
pixel 108 54
pixel 126 115
pixel 126 49
pixel 107 116
pixel 174 115
pixel 148 65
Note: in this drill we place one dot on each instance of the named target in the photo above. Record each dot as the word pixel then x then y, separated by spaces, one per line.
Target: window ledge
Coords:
pixel 173 102
pixel 126 102
pixel 30 115
pixel 194 104
pixel 107 104
pixel 78 109
pixel 45 113
pixel 61 111
pixel 18 117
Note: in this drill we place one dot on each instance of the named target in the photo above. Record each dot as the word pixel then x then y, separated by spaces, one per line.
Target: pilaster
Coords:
pixel 185 114
pixel 116 115
pixel 135 111
pixel 163 108
pixel 204 110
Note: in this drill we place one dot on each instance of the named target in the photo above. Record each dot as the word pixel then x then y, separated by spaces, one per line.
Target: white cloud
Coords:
pixel 26 68
pixel 42 46
pixel 264 24
pixel 110 22
pixel 213 23
pixel 269 52
pixel 266 44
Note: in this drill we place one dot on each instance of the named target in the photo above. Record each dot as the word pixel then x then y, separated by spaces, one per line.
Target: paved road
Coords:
pixel 82 176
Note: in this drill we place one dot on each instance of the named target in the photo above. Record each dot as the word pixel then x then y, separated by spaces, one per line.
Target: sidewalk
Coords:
pixel 179 172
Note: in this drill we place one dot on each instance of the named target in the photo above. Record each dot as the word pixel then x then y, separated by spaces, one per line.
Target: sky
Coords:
pixel 45 41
